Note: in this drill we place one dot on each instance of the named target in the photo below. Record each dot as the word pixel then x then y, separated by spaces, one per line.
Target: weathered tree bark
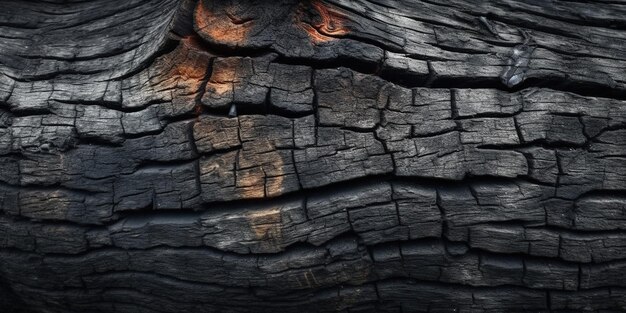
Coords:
pixel 312 156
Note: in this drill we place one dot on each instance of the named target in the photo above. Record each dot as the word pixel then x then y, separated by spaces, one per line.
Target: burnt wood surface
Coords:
pixel 312 156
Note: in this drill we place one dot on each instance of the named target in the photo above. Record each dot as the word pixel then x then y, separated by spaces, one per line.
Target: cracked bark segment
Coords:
pixel 64 205
pixel 157 187
pixel 43 238
pixel 273 228
pixel 141 122
pixel 515 239
pixel 263 167
pixel 341 155
pixel 173 144
pixel 252 82
pixel 486 102
pixel 584 172
pixel 428 157
pixel 411 70
pixel 266 230
pixel 428 261
pixel 240 80
pixel 544 274
pixel 217 175
pixel 297 268
pixel 592 248
pixel 418 210
pixel 216 134
pixel 378 223
pixel 602 298
pixel 80 169
pixel 294 267
pixel 593 276
pixel 538 107
pixel 445 297
pixel 99 123
pixel 483 203
pixel 333 211
pixel 550 129
pixel 542 164
pixel 600 213
pixel 36 133
pixel 489 131
pixel 426 112
pixel 262 230
pixel 291 88
pixel 348 99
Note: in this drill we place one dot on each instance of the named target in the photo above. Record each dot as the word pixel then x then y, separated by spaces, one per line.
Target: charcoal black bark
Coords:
pixel 312 156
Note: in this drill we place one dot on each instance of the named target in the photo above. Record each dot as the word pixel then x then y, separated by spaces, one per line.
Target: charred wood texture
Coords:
pixel 312 156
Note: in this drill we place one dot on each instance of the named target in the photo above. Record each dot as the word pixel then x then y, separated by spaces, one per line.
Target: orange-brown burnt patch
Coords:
pixel 266 225
pixel 224 73
pixel 222 27
pixel 178 75
pixel 264 171
pixel 332 22
pixel 221 82
pixel 327 25
pixel 186 67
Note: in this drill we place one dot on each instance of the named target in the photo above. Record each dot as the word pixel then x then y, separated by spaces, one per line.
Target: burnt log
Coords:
pixel 312 156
